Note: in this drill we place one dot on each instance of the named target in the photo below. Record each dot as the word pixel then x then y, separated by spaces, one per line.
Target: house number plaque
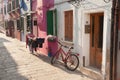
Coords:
pixel 87 28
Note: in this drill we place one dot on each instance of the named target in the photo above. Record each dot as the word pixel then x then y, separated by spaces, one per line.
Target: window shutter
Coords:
pixel 50 22
pixel 55 12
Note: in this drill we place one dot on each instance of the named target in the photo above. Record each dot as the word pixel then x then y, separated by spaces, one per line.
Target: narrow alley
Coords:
pixel 16 63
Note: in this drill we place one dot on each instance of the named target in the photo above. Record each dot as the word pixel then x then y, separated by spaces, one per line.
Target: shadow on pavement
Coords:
pixel 8 66
pixel 60 65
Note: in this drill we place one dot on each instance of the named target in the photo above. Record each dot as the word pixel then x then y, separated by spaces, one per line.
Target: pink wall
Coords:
pixel 41 7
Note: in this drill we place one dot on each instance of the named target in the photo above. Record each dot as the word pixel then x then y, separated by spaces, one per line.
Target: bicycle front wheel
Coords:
pixel 72 62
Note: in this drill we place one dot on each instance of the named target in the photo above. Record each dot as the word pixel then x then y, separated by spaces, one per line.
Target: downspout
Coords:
pixel 31 27
pixel 114 39
pixel 112 34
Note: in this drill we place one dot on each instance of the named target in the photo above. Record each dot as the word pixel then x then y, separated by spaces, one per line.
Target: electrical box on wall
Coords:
pixel 87 28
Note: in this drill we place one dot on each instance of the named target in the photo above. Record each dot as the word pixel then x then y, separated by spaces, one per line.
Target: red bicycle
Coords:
pixel 70 60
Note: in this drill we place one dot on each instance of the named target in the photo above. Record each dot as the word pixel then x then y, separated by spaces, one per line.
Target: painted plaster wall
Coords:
pixel 41 7
pixel 80 17
pixel 77 32
pixel 60 1
pixel 106 9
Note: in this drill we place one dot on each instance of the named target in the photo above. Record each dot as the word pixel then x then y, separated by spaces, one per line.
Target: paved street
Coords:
pixel 16 63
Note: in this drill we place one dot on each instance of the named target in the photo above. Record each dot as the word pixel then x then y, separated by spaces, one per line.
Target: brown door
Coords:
pixel 96 39
pixel 69 25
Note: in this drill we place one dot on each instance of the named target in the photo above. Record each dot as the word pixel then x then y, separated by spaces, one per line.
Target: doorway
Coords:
pixel 96 39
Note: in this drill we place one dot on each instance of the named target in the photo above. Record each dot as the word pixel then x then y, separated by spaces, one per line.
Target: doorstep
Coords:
pixel 92 72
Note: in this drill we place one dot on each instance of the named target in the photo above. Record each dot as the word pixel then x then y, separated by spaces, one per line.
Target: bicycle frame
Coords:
pixel 70 60
pixel 62 53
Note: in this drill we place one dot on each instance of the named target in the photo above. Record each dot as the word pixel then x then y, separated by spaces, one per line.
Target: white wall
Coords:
pixel 80 16
pixel 60 1
pixel 60 18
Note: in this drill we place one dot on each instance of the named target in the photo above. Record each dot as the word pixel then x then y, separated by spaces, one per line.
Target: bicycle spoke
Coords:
pixel 72 62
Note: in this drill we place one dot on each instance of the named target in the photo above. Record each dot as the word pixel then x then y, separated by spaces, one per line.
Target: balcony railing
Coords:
pixel 13 5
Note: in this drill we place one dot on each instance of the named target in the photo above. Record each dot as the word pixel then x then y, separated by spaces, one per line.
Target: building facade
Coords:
pixel 12 18
pixel 40 27
pixel 2 16
pixel 15 15
pixel 25 16
pixel 87 25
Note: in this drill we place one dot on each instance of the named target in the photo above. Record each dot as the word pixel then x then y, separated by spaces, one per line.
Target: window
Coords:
pixel 13 4
pixel 1 11
pixel 52 22
pixel 29 21
pixel 9 7
pixel 17 3
pixel 18 24
pixel 68 25
pixel 29 24
pixel 35 22
pixel 22 23
pixel 5 9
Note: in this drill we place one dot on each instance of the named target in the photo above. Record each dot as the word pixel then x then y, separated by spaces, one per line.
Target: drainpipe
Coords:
pixel 31 26
pixel 114 39
pixel 112 33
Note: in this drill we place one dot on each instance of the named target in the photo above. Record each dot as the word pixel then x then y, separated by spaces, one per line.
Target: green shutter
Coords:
pixel 52 26
pixel 50 22
pixel 55 12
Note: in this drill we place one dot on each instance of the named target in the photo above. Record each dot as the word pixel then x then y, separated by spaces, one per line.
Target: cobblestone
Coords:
pixel 16 63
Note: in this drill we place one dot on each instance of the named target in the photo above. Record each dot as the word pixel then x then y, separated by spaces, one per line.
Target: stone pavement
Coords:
pixel 16 63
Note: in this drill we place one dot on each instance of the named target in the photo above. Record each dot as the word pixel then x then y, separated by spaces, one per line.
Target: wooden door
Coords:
pixel 96 39
pixel 69 25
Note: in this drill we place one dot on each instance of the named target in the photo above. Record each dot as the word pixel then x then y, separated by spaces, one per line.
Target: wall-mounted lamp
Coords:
pixel 106 1
pixel 76 3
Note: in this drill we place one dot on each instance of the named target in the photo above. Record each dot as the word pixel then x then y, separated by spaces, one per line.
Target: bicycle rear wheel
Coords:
pixel 72 62
pixel 31 48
